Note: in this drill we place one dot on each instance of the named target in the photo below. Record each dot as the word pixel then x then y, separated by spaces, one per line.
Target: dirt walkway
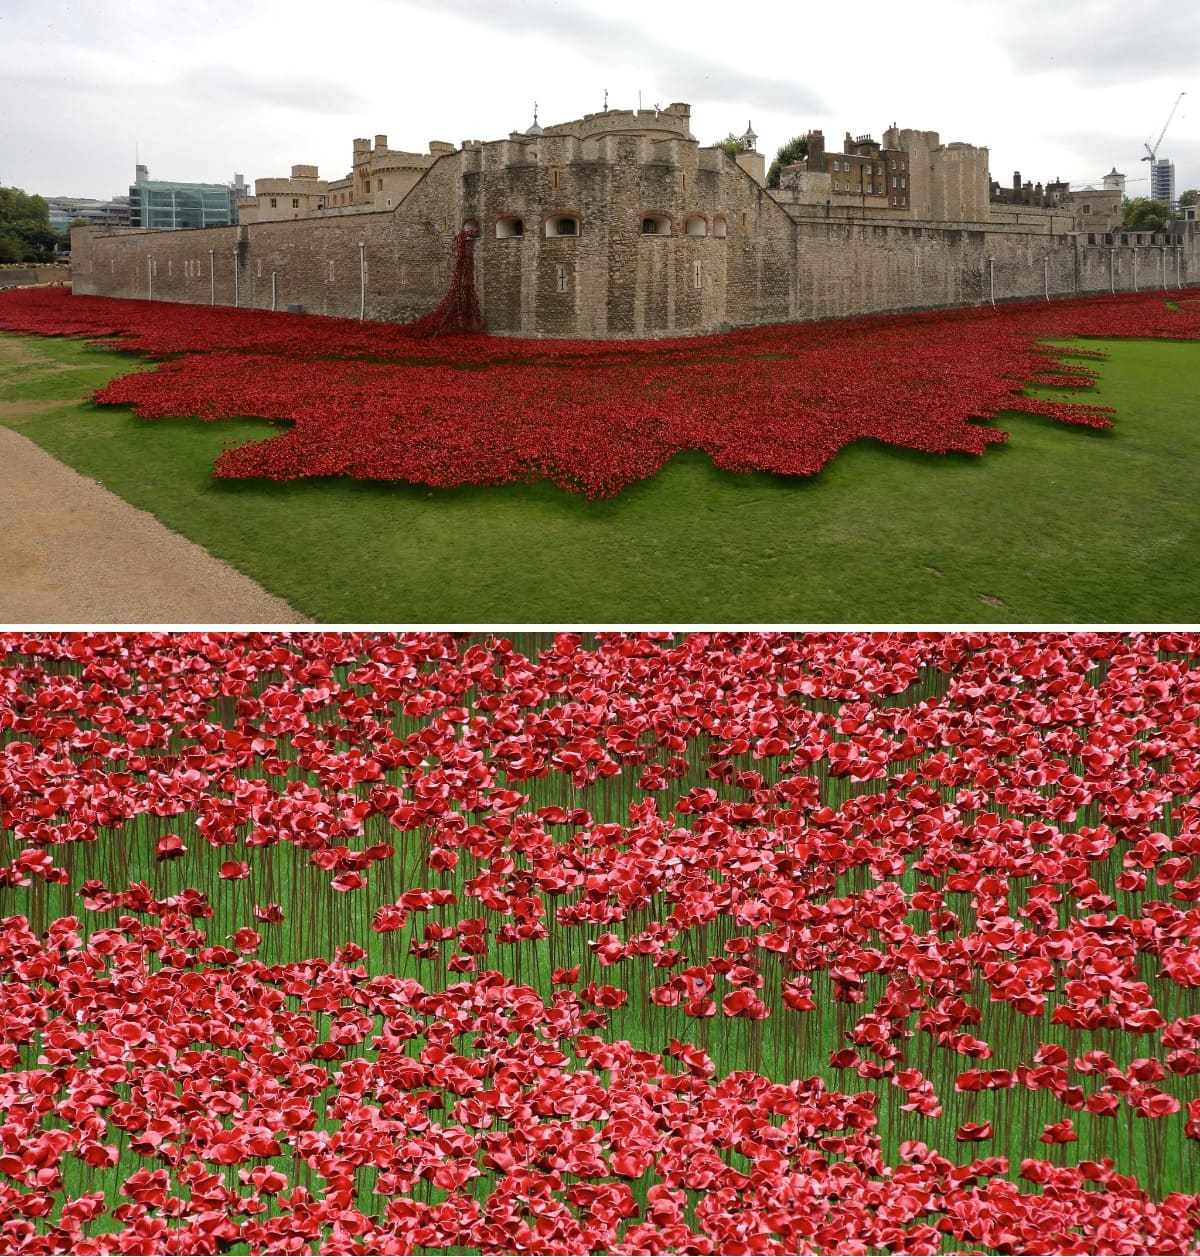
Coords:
pixel 71 552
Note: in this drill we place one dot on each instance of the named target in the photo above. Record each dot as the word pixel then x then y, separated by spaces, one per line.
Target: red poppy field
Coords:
pixel 379 402
pixel 737 943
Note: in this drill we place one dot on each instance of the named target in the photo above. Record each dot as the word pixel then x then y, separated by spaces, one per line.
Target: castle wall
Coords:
pixel 960 188
pixel 750 258
pixel 315 264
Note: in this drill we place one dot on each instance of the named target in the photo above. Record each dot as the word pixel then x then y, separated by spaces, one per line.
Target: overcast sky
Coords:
pixel 201 90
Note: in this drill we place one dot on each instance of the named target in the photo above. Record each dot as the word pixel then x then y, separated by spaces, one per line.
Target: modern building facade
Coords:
pixel 65 210
pixel 165 206
pixel 1162 181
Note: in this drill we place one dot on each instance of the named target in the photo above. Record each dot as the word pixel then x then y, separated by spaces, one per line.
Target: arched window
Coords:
pixel 509 227
pixel 562 225
pixel 656 225
pixel 695 225
pixel 720 227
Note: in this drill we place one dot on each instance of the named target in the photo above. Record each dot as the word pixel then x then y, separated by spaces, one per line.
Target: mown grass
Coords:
pixel 787 1045
pixel 1059 525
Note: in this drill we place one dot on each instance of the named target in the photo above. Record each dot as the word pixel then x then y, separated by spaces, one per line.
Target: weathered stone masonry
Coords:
pixel 622 226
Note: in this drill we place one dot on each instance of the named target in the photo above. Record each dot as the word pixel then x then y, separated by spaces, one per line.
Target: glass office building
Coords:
pixel 175 206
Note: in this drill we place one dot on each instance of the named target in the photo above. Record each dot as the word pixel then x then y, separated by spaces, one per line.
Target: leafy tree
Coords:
pixel 732 144
pixel 1143 214
pixel 25 227
pixel 796 149
pixel 1189 197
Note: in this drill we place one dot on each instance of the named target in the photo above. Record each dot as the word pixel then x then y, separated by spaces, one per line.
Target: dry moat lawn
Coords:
pixel 1061 524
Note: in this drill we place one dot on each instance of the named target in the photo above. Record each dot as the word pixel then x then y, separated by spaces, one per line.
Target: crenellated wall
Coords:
pixel 725 252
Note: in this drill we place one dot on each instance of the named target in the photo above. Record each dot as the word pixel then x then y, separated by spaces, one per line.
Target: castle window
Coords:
pixel 870 189
pixel 893 163
pixel 697 275
pixel 837 185
pixel 554 179
pixel 695 226
pixel 893 181
pixel 656 225
pixel 295 202
pixel 1087 209
pixel 379 186
pixel 903 182
pixel 720 227
pixel 509 227
pixel 837 165
pixel 272 202
pixel 562 226
pixel 562 279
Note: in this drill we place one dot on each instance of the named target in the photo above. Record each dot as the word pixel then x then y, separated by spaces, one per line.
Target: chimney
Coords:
pixel 816 150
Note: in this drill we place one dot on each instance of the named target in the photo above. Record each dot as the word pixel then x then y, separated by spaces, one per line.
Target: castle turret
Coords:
pixel 750 160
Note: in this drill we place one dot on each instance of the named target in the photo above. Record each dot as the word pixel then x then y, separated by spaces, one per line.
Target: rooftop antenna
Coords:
pixel 639 100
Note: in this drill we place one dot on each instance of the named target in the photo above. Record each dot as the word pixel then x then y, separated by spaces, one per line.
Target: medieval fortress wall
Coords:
pixel 620 225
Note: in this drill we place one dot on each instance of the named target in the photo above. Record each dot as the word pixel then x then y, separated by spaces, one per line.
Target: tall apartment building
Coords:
pixel 1162 180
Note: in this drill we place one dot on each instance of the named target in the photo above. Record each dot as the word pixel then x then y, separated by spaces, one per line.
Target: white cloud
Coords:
pixel 256 85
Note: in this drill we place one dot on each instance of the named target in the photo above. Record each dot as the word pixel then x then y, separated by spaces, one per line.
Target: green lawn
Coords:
pixel 1061 524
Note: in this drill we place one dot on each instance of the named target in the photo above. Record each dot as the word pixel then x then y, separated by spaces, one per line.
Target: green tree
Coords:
pixel 1143 214
pixel 796 149
pixel 1189 197
pixel 25 227
pixel 732 144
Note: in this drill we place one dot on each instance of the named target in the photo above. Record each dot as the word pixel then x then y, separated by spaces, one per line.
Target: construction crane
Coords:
pixel 1152 153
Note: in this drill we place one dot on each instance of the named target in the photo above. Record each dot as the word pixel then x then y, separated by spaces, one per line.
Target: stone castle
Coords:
pixel 621 225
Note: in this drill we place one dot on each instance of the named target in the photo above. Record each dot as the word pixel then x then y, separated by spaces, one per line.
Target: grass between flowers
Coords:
pixel 1058 524
pixel 83 681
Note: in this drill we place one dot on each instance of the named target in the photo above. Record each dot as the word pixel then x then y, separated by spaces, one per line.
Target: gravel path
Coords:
pixel 71 552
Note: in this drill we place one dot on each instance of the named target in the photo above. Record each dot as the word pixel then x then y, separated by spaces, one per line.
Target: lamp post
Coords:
pixel 212 277
pixel 235 277
pixel 150 278
pixel 362 280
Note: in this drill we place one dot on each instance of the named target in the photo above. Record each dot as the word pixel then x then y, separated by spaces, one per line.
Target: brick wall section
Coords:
pixel 27 276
